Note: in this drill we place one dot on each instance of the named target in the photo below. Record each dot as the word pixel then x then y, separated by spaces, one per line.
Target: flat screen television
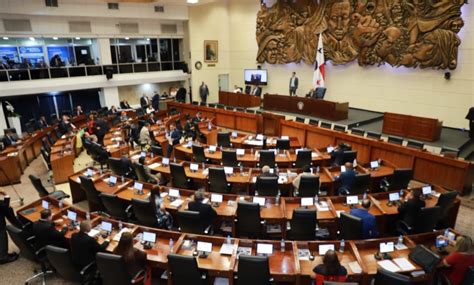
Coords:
pixel 256 76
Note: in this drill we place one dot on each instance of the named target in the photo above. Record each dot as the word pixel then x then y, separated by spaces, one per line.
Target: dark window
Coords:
pixel 165 50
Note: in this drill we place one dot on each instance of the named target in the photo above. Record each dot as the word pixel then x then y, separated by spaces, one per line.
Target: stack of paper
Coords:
pixel 322 206
pixel 176 203
pixel 154 165
pixel 227 249
pixel 303 254
pixel 388 265
pixel 93 233
pixel 404 264
pixel 355 267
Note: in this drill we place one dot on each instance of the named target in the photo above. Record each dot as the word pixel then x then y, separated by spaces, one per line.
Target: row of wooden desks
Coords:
pixel 292 263
pixel 62 156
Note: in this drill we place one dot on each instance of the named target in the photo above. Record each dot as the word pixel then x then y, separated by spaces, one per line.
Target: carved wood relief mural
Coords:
pixel 412 33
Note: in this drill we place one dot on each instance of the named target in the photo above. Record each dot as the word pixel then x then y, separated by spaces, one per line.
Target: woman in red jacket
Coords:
pixel 459 260
pixel 330 270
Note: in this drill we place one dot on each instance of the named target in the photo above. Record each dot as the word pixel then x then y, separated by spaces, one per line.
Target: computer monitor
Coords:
pixel 400 178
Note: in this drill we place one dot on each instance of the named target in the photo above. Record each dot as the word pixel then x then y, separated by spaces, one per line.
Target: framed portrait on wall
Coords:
pixel 211 51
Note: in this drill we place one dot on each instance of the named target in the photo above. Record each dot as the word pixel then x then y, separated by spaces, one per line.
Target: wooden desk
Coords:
pixel 413 127
pixel 62 158
pixel 333 111
pixel 239 99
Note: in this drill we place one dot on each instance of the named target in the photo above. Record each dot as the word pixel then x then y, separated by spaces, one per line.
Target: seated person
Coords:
pixel 46 233
pixel 197 118
pixel 9 138
pixel 113 110
pixel 459 260
pixel 135 259
pixel 369 224
pixel 6 213
pixel 84 247
pixel 189 129
pixel 264 173
pixel 42 123
pixel 165 220
pixel 311 93
pixel 306 173
pixel 346 179
pixel 237 89
pixel 145 138
pixel 410 209
pixel 123 116
pixel 338 153
pixel 151 178
pixel 206 212
pixel 330 270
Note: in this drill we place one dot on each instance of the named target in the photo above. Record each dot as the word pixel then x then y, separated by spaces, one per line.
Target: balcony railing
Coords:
pixel 87 70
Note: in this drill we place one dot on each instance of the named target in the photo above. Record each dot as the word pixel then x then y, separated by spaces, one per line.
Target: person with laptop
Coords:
pixel 206 212
pixel 346 179
pixel 410 209
pixel 369 224
pixel 134 258
pixel 330 270
pixel 459 260
pixel 84 247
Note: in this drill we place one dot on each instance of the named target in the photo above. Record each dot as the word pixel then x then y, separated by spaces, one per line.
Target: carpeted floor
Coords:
pixel 22 269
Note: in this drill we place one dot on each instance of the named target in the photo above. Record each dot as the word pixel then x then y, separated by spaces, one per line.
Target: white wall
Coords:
pixel 402 90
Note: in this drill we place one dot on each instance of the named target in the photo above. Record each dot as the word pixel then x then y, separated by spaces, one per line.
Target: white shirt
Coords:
pixel 292 82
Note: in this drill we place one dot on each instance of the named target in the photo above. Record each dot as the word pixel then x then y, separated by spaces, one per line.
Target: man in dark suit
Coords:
pixel 257 91
pixel 155 101
pixel 83 247
pixel 410 210
pixel 46 233
pixel 206 212
pixel 173 138
pixel 181 95
pixel 346 179
pixel 293 84
pixel 65 125
pixel 470 117
pixel 197 118
pixel 9 139
pixel 369 224
pixel 6 212
pixel 203 92
pixel 42 123
pixel 144 102
pixel 124 105
pixel 100 130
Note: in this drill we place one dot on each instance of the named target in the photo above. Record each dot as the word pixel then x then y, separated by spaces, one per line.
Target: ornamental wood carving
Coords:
pixel 412 33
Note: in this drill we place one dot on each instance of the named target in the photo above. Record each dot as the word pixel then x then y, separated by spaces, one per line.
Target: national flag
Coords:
pixel 318 75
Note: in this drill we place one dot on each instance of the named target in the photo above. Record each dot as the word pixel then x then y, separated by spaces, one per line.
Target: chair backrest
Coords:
pixel 299 119
pixel 141 174
pixel 248 219
pixel 198 153
pixel 350 226
pixel 427 219
pixel 267 157
pixel 253 270
pixel 303 224
pixel 357 132
pixel 348 156
pixel 112 269
pixel 38 186
pixel 223 139
pixel 19 238
pixel 325 125
pixel 283 144
pixel 178 176
pixel 184 270
pixel 415 144
pixel 114 206
pixel 374 135
pixel 401 178
pixel 303 158
pixel 385 277
pixel 117 166
pixel 45 143
pixel 469 276
pixel 157 150
pixel 61 260
pixel 395 140
pixel 309 186
pixel 45 155
pixel 50 138
pixel 95 203
pixel 361 184
pixel 229 158
pixel 267 186
pixel 218 180
pixel 446 201
pixel 145 212
pixel 339 128
pixel 190 222
pixel 314 122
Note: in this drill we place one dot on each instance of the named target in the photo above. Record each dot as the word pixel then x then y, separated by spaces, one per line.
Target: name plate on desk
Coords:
pixel 265 249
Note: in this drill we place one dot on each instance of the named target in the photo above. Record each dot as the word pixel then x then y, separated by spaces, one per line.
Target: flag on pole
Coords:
pixel 318 75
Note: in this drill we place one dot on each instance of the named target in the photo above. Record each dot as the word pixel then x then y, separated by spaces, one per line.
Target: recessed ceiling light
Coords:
pixel 5 38
pixel 78 38
pixel 148 39
pixel 55 38
pixel 32 39
pixel 193 1
pixel 127 38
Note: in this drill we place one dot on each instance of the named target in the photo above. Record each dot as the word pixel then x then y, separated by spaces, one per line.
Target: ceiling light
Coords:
pixel 5 38
pixel 127 38
pixel 193 1
pixel 148 39
pixel 55 38
pixel 32 39
pixel 78 38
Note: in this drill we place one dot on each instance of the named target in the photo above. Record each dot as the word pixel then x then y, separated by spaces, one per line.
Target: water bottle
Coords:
pixel 203 166
pixel 120 225
pixel 174 159
pixel 152 155
pixel 171 244
pixel 282 245
pixel 88 216
pixel 122 178
pixel 316 199
pixel 241 170
pixel 400 240
pixel 277 170
pixel 228 240
pixel 446 233
pixel 318 169
pixel 342 246
pixel 354 163
pixel 277 198
pixel 256 192
pixel 401 193
pixel 364 196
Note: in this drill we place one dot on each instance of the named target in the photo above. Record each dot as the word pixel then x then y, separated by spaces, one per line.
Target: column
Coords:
pixel 3 120
pixel 109 96
pixel 103 48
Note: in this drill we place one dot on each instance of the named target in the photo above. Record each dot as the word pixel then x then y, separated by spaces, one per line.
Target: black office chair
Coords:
pixel 178 177
pixel 314 122
pixel 190 222
pixel 99 154
pixel 218 181
pixel 302 225
pixel 385 277
pixel 445 202
pixel 50 138
pixel 350 227
pixel 223 139
pixel 395 140
pixel 157 150
pixel 229 158
pixel 253 270
pixel 425 222
pixel 348 156
pixel 27 250
pixel 309 186
pixel 267 186
pixel 118 167
pixel 303 158
pixel 357 132
pixel 145 212
pixel 92 195
pixel 45 144
pixel 43 192
pixel 469 276
pixel 374 135
pixel 299 120
pixel 399 180
pixel 267 157
pixel 361 184
pixel 448 151
pixel 184 270
pixel 198 154
pixel 282 144
pixel 248 222
pixel 61 260
pixel 339 128
pixel 248 89
pixel 142 175
pixel 415 144
pixel 113 270
pixel 115 207
pixel 46 158
pixel 325 125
